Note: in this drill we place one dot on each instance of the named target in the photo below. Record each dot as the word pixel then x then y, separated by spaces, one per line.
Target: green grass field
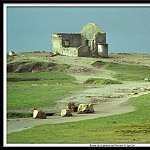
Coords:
pixel 128 72
pixel 31 90
pixel 27 90
pixel 133 127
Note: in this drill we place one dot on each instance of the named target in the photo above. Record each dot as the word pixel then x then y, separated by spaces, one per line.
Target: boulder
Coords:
pixel 37 113
pixel 147 79
pixel 72 107
pixel 85 108
pixel 66 112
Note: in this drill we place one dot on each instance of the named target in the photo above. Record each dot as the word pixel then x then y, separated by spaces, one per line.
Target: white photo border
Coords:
pixel 5 7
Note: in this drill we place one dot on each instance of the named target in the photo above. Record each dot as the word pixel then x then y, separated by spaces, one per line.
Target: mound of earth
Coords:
pixel 98 64
pixel 35 66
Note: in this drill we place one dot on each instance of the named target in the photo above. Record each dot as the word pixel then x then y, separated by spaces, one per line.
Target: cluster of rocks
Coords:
pixel 71 108
pixel 135 90
pixel 80 109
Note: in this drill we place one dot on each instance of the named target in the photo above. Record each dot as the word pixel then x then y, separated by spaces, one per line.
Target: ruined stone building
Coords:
pixel 91 42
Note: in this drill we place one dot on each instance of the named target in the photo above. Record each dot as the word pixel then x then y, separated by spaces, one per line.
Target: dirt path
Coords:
pixel 109 100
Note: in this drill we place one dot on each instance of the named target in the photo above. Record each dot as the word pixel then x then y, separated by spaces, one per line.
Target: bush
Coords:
pixel 101 81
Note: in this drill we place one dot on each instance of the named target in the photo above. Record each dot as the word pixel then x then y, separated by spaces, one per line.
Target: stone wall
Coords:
pixel 70 51
pixel 83 51
pixel 63 42
pixel 100 46
pixel 71 40
pixel 103 50
pixel 57 43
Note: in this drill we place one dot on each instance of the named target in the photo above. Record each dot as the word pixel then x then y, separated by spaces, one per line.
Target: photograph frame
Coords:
pixel 5 83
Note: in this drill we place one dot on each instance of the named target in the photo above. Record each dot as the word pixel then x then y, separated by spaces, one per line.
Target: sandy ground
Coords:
pixel 108 100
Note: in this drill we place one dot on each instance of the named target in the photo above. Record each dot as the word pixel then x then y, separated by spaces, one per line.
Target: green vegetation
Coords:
pixel 129 72
pixel 125 72
pixel 33 90
pixel 10 58
pixel 133 127
pixel 41 76
pixel 101 81
pixel 19 114
pixel 60 67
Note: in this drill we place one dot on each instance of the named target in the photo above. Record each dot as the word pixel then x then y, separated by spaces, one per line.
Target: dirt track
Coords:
pixel 108 101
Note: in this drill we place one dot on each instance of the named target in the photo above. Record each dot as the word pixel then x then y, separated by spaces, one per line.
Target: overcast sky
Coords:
pixel 30 28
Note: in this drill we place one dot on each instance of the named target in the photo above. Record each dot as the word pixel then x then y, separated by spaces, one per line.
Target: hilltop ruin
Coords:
pixel 91 42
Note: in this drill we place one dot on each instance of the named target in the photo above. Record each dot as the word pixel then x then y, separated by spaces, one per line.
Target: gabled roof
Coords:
pixel 92 26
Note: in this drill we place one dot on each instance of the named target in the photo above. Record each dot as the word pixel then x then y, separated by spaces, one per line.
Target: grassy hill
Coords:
pixel 38 80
